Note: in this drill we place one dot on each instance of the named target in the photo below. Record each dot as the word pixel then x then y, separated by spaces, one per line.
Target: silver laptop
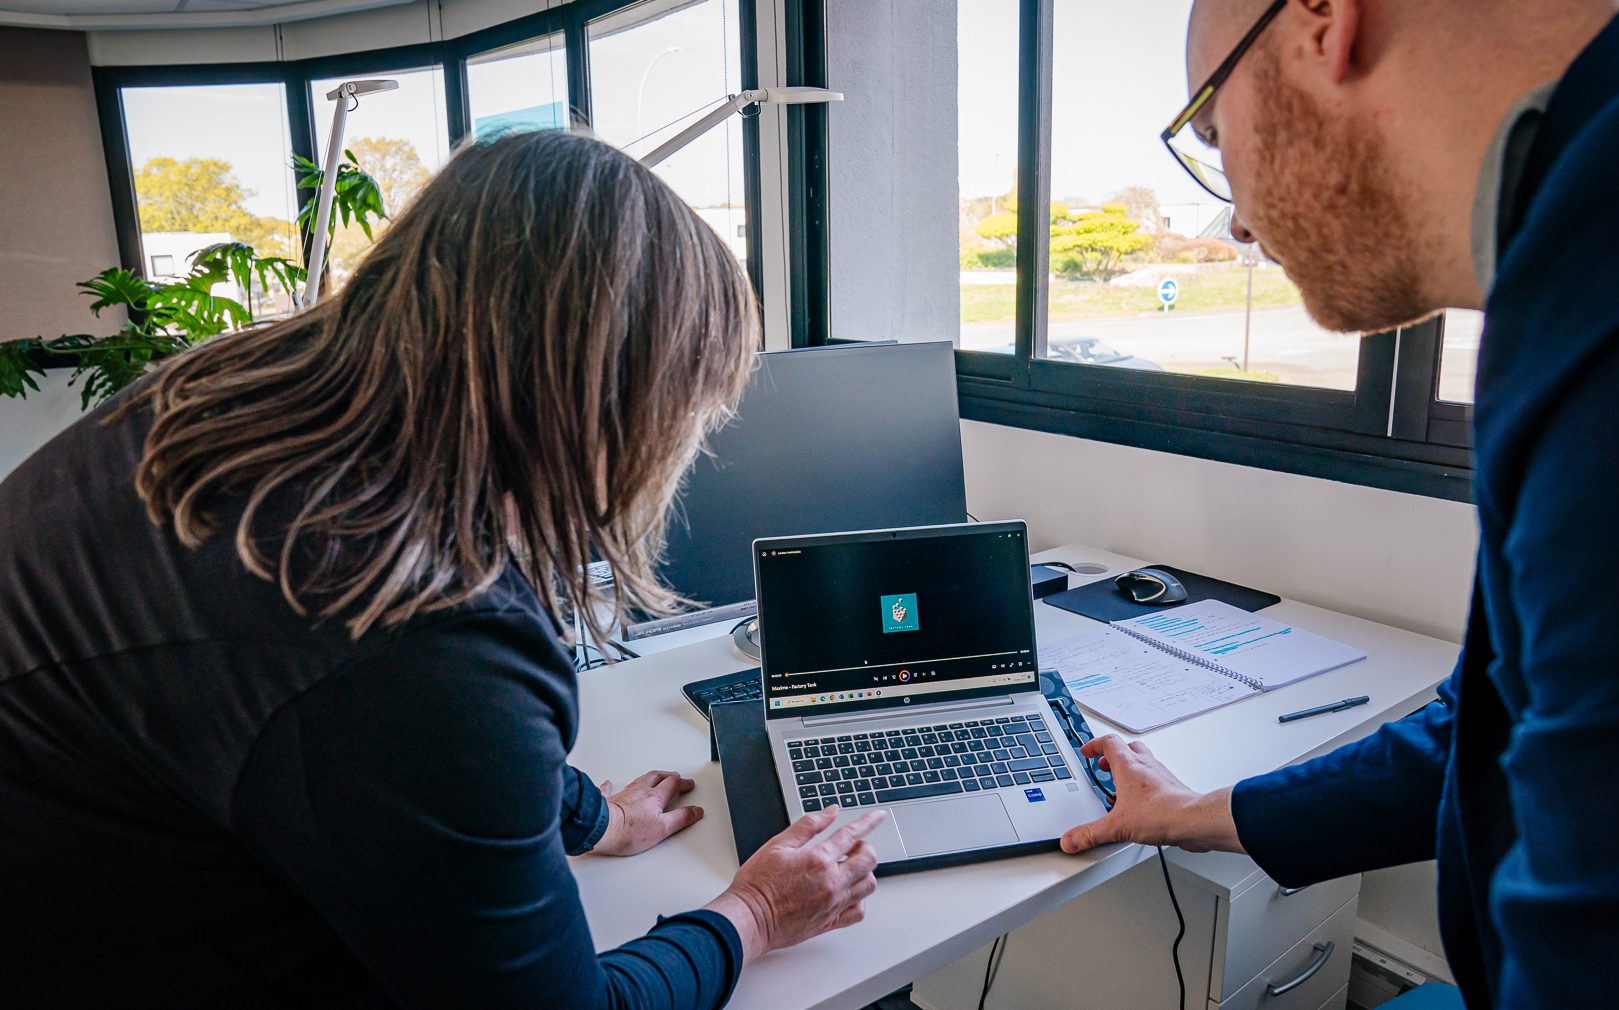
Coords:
pixel 900 673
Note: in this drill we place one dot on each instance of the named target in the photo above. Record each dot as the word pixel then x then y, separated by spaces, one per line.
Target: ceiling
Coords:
pixel 85 15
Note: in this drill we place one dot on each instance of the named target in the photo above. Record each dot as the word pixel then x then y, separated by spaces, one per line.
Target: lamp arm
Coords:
pixel 323 207
pixel 732 104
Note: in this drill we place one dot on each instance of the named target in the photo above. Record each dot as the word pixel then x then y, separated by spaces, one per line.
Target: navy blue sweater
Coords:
pixel 208 801
pixel 1510 778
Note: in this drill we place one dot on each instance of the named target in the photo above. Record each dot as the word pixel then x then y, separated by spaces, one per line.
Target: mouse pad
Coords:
pixel 758 812
pixel 1102 600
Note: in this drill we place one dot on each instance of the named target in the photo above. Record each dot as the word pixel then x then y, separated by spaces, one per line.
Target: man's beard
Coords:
pixel 1328 210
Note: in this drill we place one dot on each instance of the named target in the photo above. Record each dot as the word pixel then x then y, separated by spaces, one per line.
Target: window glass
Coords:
pixel 400 137
pixel 521 87
pixel 1142 259
pixel 211 164
pixel 654 69
pixel 1458 359
pixel 987 164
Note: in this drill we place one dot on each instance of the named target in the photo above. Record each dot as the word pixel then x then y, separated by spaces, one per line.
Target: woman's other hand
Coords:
pixel 640 815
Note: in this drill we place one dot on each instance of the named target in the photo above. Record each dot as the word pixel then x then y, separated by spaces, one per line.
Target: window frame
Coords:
pixel 448 55
pixel 1391 432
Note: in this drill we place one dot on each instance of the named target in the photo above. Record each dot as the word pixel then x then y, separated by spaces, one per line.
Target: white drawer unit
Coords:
pixel 1256 919
pixel 1315 968
pixel 1249 945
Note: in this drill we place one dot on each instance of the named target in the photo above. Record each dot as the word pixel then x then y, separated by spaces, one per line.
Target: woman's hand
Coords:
pixel 640 817
pixel 790 890
pixel 1154 807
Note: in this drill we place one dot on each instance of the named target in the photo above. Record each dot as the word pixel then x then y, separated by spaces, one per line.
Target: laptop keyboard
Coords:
pixel 865 769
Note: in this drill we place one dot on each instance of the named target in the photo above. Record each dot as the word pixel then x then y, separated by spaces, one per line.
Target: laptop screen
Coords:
pixel 892 618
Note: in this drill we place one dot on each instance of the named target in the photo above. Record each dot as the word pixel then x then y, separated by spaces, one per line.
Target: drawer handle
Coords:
pixel 1288 892
pixel 1322 956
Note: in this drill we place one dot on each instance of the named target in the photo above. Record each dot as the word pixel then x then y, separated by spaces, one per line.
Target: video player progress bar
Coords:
pixel 911 662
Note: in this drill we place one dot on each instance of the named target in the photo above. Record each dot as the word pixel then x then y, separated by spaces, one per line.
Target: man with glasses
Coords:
pixel 1399 157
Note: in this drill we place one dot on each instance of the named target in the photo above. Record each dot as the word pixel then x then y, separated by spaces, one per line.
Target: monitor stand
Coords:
pixel 745 636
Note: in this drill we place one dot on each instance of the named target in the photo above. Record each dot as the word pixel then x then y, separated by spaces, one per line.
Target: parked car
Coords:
pixel 1088 351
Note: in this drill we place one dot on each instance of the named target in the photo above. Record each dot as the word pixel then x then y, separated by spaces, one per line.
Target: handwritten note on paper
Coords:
pixel 1132 685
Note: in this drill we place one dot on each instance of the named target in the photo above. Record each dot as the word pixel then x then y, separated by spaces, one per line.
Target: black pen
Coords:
pixel 1337 706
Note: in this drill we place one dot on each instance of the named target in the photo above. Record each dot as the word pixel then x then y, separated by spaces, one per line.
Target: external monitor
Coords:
pixel 826 440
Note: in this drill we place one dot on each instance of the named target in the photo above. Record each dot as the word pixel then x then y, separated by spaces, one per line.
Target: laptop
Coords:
pixel 900 673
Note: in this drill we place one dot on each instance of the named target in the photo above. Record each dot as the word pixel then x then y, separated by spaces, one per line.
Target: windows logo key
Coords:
pixel 899 613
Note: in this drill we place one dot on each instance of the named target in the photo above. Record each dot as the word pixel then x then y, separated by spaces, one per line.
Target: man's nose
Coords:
pixel 1239 230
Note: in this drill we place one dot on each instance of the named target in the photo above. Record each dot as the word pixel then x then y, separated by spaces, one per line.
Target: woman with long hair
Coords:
pixel 285 697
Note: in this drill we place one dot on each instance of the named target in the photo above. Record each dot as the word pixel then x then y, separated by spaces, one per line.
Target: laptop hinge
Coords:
pixel 890 713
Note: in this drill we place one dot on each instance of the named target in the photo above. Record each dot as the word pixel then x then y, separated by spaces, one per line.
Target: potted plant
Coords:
pixel 165 318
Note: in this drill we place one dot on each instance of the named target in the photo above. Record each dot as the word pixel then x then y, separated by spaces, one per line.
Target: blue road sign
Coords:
pixel 1169 290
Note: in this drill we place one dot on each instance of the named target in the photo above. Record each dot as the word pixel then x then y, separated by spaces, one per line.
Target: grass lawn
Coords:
pixel 1224 289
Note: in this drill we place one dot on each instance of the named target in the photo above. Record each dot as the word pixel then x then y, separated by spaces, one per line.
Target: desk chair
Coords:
pixel 1432 996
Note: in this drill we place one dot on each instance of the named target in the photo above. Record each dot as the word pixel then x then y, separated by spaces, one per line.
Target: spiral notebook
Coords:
pixel 1157 669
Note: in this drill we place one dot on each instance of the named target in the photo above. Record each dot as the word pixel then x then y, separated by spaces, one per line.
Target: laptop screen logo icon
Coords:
pixel 899 613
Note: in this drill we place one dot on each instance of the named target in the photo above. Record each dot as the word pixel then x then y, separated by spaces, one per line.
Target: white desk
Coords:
pixel 635 719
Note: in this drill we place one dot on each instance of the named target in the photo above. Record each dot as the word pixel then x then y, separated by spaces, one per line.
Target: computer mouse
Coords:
pixel 1151 585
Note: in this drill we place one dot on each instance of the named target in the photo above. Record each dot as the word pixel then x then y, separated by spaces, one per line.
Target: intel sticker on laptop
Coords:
pixel 1034 795
pixel 899 613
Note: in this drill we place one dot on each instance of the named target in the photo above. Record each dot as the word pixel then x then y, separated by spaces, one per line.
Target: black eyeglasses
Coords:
pixel 1201 160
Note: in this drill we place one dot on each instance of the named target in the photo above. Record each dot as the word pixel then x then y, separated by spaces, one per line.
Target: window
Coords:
pixel 986 153
pixel 201 154
pixel 211 164
pixel 1458 357
pixel 1129 228
pixel 654 68
pixel 400 137
pixel 520 87
pixel 1092 288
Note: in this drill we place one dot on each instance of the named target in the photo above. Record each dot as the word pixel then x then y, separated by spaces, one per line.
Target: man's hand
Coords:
pixel 639 817
pixel 1154 807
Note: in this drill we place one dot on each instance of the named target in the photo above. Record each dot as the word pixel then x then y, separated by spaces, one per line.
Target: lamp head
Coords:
pixel 359 89
pixel 801 96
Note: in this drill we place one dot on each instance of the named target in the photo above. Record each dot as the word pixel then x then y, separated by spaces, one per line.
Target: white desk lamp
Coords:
pixel 348 90
pixel 737 103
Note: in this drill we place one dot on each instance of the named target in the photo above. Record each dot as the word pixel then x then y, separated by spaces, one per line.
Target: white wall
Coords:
pixel 893 191
pixel 25 425
pixel 1398 559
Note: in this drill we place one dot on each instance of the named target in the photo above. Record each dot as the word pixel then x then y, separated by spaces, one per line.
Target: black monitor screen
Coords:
pixel 879 621
pixel 826 439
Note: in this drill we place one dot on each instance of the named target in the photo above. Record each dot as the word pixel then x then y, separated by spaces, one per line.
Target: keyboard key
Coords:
pixel 1017 752
pixel 803 766
pixel 841 761
pixel 926 751
pixel 1043 737
pixel 1049 748
pixel 1004 780
pixel 935 763
pixel 918 792
pixel 947 774
pixel 1063 773
pixel 1056 761
pixel 1027 764
pixel 812 751
pixel 971 785
pixel 1002 754
pixel 810 806
pixel 885 769
pixel 952 761
pixel 845 788
pixel 913 778
pixel 808 792
pixel 909 754
pixel 1042 776
pixel 1021 778
pixel 828 790
pixel 866 799
pixel 806 778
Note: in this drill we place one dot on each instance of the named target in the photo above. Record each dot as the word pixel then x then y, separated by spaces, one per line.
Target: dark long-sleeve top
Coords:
pixel 1509 778
pixel 209 801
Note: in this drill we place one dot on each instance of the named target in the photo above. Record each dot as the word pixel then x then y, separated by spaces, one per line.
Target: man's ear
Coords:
pixel 1334 34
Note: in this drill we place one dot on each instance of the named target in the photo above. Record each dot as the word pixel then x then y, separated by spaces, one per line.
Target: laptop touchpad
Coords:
pixel 976 822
